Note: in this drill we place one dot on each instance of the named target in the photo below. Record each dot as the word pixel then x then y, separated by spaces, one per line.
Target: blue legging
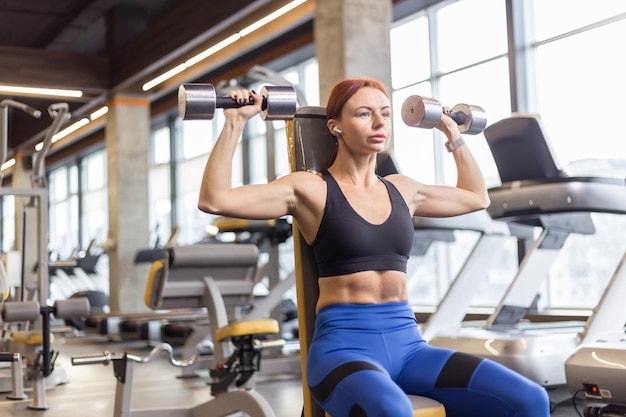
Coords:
pixel 364 358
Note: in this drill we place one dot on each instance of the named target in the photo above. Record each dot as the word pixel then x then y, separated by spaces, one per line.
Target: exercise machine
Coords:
pixel 183 281
pixel 535 191
pixel 36 346
pixel 138 325
pixel 310 145
pixel 185 263
pixel 598 366
pixel 491 241
pixel 30 343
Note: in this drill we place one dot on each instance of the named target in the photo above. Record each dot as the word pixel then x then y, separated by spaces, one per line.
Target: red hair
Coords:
pixel 340 94
pixel 344 90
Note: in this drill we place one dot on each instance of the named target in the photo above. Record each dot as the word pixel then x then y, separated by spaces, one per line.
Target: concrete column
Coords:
pixel 352 40
pixel 127 135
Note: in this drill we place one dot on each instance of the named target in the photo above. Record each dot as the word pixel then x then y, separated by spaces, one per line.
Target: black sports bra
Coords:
pixel 347 243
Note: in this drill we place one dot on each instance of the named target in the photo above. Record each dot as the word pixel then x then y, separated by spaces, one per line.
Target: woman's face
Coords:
pixel 366 121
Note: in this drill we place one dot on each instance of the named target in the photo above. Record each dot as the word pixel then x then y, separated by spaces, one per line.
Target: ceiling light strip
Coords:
pixel 8 164
pixel 56 92
pixel 272 16
pixel 221 45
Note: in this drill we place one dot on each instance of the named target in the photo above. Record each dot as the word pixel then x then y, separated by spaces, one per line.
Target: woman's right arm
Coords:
pixel 258 201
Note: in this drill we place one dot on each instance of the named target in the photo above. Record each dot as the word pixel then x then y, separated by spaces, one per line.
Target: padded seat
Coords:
pixel 29 338
pixel 176 282
pixel 424 407
pixel 248 327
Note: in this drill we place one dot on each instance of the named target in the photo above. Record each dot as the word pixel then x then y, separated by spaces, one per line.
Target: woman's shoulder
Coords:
pixel 400 180
pixel 303 180
pixel 406 185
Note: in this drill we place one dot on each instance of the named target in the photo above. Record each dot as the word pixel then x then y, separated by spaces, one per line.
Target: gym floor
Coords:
pixel 91 388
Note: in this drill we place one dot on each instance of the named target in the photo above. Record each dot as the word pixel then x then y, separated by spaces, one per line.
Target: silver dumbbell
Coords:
pixel 425 112
pixel 199 101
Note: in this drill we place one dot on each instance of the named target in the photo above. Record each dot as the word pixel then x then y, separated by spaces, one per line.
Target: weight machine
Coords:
pixel 33 340
pixel 216 277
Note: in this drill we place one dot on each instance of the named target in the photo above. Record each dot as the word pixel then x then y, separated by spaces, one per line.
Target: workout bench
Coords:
pixel 309 145
pixel 218 277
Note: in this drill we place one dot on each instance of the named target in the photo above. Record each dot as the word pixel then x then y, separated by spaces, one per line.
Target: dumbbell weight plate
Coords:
pixel 279 102
pixel 424 112
pixel 196 101
pixel 475 118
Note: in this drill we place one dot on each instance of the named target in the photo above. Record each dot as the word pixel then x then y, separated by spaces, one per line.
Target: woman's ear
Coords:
pixel 334 129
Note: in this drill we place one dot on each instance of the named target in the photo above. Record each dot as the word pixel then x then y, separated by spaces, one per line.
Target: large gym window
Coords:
pixel 458 52
pixel 8 223
pixel 63 200
pixel 159 185
pixel 94 207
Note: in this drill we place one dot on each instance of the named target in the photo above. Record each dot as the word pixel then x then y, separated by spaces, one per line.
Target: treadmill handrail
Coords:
pixel 591 194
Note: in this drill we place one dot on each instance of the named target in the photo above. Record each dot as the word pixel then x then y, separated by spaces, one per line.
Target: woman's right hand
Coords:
pixel 246 110
pixel 448 126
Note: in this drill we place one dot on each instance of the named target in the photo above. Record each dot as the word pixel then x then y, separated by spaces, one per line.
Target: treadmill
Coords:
pixel 453 307
pixel 535 191
pixel 598 367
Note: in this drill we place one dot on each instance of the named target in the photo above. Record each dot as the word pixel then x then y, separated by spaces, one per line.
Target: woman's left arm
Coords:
pixel 469 194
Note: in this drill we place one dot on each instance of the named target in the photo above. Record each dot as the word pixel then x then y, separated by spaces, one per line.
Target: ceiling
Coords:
pixel 102 47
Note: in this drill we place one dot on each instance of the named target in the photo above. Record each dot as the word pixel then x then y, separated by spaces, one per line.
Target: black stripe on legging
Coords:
pixel 457 371
pixel 323 390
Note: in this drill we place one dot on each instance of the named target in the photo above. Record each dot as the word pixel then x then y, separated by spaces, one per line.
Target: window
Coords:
pixel 159 183
pixel 63 196
pixel 410 52
pixel 94 213
pixel 556 17
pixel 457 52
pixel 433 55
pixel 8 223
pixel 469 32
pixel 571 74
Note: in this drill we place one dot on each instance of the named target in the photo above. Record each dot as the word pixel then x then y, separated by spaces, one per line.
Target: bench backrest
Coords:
pixel 177 280
pixel 310 145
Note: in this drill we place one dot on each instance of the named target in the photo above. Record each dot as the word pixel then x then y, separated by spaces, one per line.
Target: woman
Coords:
pixel 367 350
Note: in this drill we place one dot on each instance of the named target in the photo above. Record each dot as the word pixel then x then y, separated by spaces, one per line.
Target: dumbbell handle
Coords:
pixel 458 117
pixel 231 103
